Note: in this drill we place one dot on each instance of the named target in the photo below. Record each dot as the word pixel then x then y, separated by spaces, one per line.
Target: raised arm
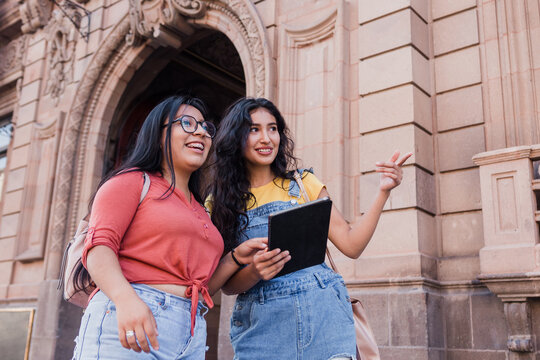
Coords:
pixel 352 240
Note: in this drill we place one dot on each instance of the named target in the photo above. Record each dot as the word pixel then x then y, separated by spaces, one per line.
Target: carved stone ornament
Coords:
pixel 11 57
pixel 162 20
pixel 167 21
pixel 60 55
pixel 34 14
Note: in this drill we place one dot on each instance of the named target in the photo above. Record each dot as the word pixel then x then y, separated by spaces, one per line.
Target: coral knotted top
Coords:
pixel 164 240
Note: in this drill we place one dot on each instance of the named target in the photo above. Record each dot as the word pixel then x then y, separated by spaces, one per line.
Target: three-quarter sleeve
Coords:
pixel 113 209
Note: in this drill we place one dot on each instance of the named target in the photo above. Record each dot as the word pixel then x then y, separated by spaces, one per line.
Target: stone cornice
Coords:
pixel 513 287
pixel 506 154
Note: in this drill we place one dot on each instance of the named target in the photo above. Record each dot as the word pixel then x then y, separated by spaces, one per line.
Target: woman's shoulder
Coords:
pixel 126 181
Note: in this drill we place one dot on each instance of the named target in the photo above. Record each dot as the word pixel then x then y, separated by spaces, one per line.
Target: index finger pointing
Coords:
pixel 404 158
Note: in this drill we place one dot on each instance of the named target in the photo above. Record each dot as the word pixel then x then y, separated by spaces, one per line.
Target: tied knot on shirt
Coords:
pixel 193 292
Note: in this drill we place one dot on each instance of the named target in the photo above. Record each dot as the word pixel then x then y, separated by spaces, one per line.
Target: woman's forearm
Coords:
pixel 226 268
pixel 242 281
pixel 104 268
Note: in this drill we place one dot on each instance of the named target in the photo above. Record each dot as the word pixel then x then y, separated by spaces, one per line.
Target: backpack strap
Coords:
pixel 146 186
pixel 298 179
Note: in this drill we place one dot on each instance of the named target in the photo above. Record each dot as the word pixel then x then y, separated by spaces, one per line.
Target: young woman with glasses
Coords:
pixel 304 314
pixel 155 263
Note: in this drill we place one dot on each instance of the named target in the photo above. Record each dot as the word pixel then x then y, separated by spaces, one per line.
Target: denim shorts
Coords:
pixel 305 315
pixel 98 334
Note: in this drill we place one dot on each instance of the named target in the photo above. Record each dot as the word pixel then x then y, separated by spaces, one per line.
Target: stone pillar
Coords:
pixel 509 260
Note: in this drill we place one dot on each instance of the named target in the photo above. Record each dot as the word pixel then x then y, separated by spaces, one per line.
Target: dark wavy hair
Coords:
pixel 147 156
pixel 230 188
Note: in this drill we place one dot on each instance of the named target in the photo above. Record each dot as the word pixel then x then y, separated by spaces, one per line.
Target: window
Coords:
pixel 6 130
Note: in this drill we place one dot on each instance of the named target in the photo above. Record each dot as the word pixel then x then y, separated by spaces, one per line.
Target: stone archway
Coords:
pixel 125 48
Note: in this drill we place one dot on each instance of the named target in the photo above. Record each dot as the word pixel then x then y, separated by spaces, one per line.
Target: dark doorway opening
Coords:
pixel 208 66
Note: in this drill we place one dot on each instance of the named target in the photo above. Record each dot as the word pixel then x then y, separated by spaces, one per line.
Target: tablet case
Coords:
pixel 303 230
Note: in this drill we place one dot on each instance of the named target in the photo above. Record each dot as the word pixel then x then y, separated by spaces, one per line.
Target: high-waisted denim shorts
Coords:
pixel 305 315
pixel 98 334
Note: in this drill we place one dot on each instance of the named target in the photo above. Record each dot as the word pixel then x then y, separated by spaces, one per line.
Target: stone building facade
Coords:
pixel 453 270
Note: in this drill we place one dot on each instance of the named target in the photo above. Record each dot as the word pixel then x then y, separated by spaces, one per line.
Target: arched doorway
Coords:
pixel 209 67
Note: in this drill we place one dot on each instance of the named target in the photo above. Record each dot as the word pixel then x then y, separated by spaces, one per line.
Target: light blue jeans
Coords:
pixel 98 334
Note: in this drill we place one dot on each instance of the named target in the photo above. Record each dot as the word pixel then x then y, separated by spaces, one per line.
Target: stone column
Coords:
pixel 509 260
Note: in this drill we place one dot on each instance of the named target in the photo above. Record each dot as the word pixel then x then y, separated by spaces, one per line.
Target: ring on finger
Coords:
pixel 130 333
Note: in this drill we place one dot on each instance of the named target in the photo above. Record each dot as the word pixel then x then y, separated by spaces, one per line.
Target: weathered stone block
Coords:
pixel 5 271
pixel 30 92
pixel 401 239
pixel 402 105
pixel 416 190
pixel 267 11
pixel 402 66
pixel 376 306
pixel 9 225
pixel 435 321
pixel 15 179
pixel 460 191
pixel 457 147
pixel 27 113
pixel 455 32
pixel 368 10
pixel 407 138
pixel 12 202
pixel 440 8
pixel 393 31
pixel 408 319
pixel 19 157
pixel 488 322
pixel 460 108
pixel 457 69
pixel 113 14
pixel 475 355
pixel 462 234
pixel 36 52
pixel 22 136
pixel 389 266
pixel 8 248
pixel 458 268
pixel 458 321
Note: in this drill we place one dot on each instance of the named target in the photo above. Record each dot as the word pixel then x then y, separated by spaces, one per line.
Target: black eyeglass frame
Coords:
pixel 197 123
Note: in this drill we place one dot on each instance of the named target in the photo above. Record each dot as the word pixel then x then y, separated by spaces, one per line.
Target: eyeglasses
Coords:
pixel 190 124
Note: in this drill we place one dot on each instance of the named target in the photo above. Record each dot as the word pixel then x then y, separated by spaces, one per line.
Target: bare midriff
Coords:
pixel 178 290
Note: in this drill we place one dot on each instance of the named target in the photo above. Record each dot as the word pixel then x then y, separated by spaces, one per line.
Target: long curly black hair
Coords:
pixel 147 156
pixel 230 187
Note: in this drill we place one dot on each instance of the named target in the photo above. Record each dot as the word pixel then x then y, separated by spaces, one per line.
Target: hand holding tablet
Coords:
pixel 303 230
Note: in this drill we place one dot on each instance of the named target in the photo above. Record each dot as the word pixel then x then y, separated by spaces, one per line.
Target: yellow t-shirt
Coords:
pixel 278 190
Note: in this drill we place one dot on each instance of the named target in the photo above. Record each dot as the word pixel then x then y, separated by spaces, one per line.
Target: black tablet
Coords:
pixel 303 230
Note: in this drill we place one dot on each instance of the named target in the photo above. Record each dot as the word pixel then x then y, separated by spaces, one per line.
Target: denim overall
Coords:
pixel 304 315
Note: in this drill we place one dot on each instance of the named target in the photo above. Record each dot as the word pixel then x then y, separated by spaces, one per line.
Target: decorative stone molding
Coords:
pixel 511 236
pixel 34 14
pixel 162 20
pixel 32 232
pixel 169 21
pixel 507 43
pixel 60 55
pixel 98 69
pixel 518 321
pixel 11 57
